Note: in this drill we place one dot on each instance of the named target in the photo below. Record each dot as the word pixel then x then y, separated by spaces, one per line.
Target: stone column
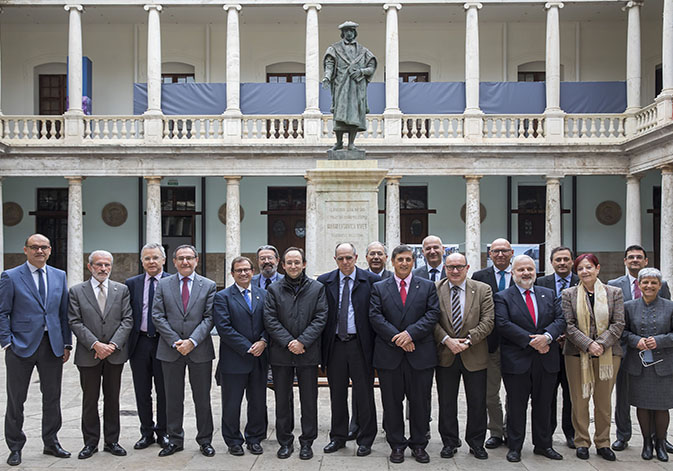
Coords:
pixel 393 238
pixel 665 99
pixel 311 240
pixel 153 115
pixel 2 232
pixel 666 246
pixel 553 219
pixel 633 228
pixel 392 114
pixel 153 210
pixel 74 124
pixel 233 248
pixel 75 231
pixel 312 114
pixel 553 113
pixel 633 72
pixel 472 223
pixel 0 75
pixel 232 115
pixel 473 114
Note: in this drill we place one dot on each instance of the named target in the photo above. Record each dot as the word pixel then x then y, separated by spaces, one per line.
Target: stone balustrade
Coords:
pixel 27 129
pixel 103 128
pixel 514 127
pixel 588 127
pixel 423 127
pixel 646 119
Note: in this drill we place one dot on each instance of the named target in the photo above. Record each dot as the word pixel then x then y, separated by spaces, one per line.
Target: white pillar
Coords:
pixel 392 114
pixel 553 219
pixel 393 238
pixel 74 58
pixel 153 59
pixel 0 70
pixel 633 226
pixel 553 114
pixel 153 210
pixel 472 223
pixel 233 248
pixel 232 115
pixel 311 224
pixel 75 232
pixel 312 114
pixel 2 232
pixel 667 49
pixel 472 56
pixel 633 73
pixel 666 246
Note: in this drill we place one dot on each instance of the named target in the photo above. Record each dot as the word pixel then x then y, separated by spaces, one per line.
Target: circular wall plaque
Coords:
pixel 12 214
pixel 482 213
pixel 114 214
pixel 608 213
pixel 222 213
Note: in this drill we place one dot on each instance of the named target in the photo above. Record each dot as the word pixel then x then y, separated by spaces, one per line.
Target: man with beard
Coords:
pixel 267 262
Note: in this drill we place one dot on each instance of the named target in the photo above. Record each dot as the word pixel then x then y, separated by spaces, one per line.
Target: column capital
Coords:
pixel 393 179
pixel 69 7
pixel 632 3
pixel 550 178
pixel 235 6
pixel 235 179
pixel 388 6
pixel 634 177
pixel 476 5
pixel 153 179
pixel 471 178
pixel 308 6
pixel 153 6
pixel 549 5
pixel 74 179
pixel 666 169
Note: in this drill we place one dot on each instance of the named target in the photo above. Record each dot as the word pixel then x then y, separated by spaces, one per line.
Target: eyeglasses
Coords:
pixel 267 259
pixel 240 271
pixel 185 258
pixel 35 248
pixel 647 362
pixel 152 259
pixel 347 258
pixel 501 251
pixel 455 267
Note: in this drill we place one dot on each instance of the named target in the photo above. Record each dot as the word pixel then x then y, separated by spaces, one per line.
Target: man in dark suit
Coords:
pixel 433 251
pixel 100 316
pixel 267 261
pixel 529 320
pixel 499 278
pixel 377 258
pixel 635 259
pixel 142 346
pixel 238 314
pixel 347 348
pixel 403 312
pixel 182 314
pixel 562 262
pixel 34 332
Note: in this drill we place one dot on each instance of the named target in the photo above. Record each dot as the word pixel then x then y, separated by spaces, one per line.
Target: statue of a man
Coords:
pixel 349 67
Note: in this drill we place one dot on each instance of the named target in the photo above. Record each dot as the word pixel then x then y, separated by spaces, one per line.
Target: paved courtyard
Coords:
pixel 345 459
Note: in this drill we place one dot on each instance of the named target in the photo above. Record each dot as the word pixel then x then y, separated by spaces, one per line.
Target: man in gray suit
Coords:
pixel 377 258
pixel 182 314
pixel 99 314
pixel 433 251
pixel 635 259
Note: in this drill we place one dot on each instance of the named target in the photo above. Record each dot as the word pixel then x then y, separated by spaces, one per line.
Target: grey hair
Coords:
pixel 650 272
pixel 104 253
pixel 153 245
pixel 355 252
pixel 521 258
pixel 376 242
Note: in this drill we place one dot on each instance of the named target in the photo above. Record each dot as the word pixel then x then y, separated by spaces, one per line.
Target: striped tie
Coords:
pixel 456 315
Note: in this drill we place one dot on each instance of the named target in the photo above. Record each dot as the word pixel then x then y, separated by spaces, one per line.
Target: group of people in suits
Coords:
pixel 406 325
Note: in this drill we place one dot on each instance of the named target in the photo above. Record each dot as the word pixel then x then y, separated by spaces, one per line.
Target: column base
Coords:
pixel 473 127
pixel 312 125
pixel 554 125
pixel 664 106
pixel 392 125
pixel 74 127
pixel 153 125
pixel 233 125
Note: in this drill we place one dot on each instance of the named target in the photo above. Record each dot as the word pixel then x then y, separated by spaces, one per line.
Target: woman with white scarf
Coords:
pixel 594 315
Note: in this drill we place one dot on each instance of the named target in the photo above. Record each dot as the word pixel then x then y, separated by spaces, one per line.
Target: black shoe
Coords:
pixel 163 441
pixel 87 452
pixel 236 450
pixel 55 449
pixel 548 453
pixel 513 456
pixel 364 450
pixel 582 452
pixel 606 453
pixel 305 452
pixel 420 455
pixel 170 449
pixel 14 458
pixel 448 451
pixel 397 455
pixel 144 442
pixel 570 441
pixel 208 450
pixel 493 442
pixel 333 446
pixel 669 447
pixel 115 449
pixel 620 445
pixel 479 453
pixel 648 449
pixel 660 448
pixel 255 448
pixel 353 434
pixel 284 451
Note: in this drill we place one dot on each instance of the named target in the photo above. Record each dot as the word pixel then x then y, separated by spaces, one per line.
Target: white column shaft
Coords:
pixel 75 232
pixel 233 248
pixel 233 59
pixel 666 248
pixel 153 210
pixel 393 212
pixel 75 58
pixel 667 47
pixel 633 72
pixel 553 57
pixel 312 58
pixel 472 56
pixel 553 220
pixel 392 58
pixel 311 244
pixel 153 58
pixel 633 225
pixel 472 223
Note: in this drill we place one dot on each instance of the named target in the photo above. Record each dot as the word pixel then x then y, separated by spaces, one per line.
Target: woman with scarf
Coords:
pixel 649 361
pixel 594 315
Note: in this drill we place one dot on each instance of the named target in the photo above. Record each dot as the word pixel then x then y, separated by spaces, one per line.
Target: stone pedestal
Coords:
pixel 344 208
pixel 345 154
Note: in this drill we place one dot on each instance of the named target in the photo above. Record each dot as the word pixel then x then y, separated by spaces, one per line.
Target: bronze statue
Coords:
pixel 349 67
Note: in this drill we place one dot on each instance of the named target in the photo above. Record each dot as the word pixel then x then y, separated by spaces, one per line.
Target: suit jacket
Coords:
pixel 239 327
pixel 255 279
pixel 384 274
pixel 422 272
pixel 90 325
pixel 577 341
pixel 360 296
pixel 478 319
pixel 549 281
pixel 23 315
pixel 417 316
pixel 657 323
pixel 515 326
pixel 136 286
pixel 624 283
pixel 173 323
pixel 487 275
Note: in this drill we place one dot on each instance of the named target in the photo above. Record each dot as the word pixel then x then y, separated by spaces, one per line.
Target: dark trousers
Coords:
pixel 622 405
pixel 145 367
pixel 18 373
pixel 538 385
pixel 347 362
pixel 567 412
pixel 448 382
pixel 200 380
pixel 416 385
pixel 253 384
pixel 90 378
pixel 283 379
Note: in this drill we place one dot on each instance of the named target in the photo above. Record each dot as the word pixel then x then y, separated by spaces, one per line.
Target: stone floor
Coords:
pixel 190 458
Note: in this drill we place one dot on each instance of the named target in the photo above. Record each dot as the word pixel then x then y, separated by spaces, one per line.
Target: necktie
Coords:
pixel 403 291
pixel 185 293
pixel 246 295
pixel 501 283
pixel 40 285
pixel 564 284
pixel 636 290
pixel 101 297
pixel 150 301
pixel 433 274
pixel 531 306
pixel 343 310
pixel 267 282
pixel 456 314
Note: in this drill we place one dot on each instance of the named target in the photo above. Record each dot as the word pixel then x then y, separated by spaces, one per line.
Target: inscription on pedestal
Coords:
pixel 346 221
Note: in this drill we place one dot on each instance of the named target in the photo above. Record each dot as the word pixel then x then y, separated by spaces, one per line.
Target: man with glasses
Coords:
pixel 433 251
pixel 34 332
pixel 377 257
pixel 499 278
pixel 465 320
pixel 182 314
pixel 267 261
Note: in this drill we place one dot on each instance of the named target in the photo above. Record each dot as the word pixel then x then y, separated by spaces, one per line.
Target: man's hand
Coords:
pixel 355 74
pixel 651 343
pixel 296 347
pixel 103 350
pixel 539 342
pixel 642 344
pixel 402 339
pixel 184 346
pixel 456 345
pixel 561 339
pixel 257 348
pixel 409 347
pixel 544 349
pixel 325 82
pixel 595 349
pixel 66 355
